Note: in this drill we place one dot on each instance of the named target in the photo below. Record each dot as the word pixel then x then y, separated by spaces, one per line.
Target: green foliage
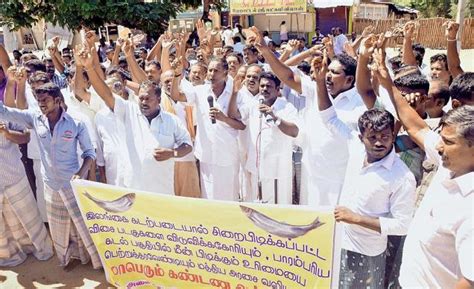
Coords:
pixel 437 8
pixel 152 18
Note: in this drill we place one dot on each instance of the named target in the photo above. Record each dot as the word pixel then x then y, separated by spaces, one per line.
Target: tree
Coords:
pixel 151 18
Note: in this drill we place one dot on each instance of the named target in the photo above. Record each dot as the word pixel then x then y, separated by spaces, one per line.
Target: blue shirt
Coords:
pixel 59 149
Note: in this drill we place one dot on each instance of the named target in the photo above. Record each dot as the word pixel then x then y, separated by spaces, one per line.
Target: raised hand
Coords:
pixel 91 38
pixel 56 40
pixel 259 41
pixel 52 50
pixel 379 68
pixel 409 29
pixel 368 45
pixel 291 45
pixel 128 48
pixel 21 75
pixel 319 66
pixel 201 30
pixel 83 56
pixel 367 31
pixel 350 50
pixel 451 29
pixel 177 65
pixel 11 71
pixel 238 82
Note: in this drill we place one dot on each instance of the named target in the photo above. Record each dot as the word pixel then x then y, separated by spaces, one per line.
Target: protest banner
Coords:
pixel 244 7
pixel 150 240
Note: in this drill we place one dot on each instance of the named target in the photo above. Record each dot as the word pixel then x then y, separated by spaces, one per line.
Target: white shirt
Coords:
pixel 339 42
pixel 276 148
pixel 111 148
pixel 180 109
pixel 142 138
pixel 227 34
pixel 239 47
pixel 438 250
pixel 325 155
pixel 215 143
pixel 384 189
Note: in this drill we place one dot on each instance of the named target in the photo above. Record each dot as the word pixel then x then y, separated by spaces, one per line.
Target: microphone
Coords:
pixel 210 100
pixel 261 99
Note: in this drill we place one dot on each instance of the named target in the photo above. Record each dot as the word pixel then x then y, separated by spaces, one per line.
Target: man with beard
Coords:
pixel 216 138
pixel 154 137
pixel 271 126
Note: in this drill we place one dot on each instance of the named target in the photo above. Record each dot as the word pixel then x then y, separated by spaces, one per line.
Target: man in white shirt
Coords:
pixel 227 35
pixel 378 196
pixel 339 41
pixel 439 244
pixel 272 129
pixel 153 137
pixel 216 144
pixel 238 46
pixel 324 155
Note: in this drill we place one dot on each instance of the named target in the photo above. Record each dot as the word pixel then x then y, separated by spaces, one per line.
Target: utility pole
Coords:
pixel 462 5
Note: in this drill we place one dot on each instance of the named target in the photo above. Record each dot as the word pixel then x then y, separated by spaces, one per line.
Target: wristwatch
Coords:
pixel 175 153
pixel 278 121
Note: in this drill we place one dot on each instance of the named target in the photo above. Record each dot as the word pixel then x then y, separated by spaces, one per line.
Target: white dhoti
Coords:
pixel 274 191
pixel 220 182
pixel 21 228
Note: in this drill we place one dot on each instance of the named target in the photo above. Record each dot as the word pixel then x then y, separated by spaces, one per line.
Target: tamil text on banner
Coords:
pixel 150 240
pixel 267 7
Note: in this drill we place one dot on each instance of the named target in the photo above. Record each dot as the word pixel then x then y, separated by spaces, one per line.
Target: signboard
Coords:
pixel 151 240
pixel 267 7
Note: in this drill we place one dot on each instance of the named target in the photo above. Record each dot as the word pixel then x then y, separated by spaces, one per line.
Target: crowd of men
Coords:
pixel 387 141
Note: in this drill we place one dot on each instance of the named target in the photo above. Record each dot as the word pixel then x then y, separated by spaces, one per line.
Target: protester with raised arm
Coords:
pixel 438 247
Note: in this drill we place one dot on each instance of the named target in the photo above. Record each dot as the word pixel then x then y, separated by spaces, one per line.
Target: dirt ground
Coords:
pixel 47 274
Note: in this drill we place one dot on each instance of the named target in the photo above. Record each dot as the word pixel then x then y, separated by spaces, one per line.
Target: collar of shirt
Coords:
pixel 158 117
pixel 64 116
pixel 227 89
pixel 462 184
pixel 386 162
pixel 347 95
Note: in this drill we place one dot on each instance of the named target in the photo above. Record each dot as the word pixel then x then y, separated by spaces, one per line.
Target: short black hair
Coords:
pixel 143 49
pixel 348 63
pixel 462 87
pixel 270 76
pixel 376 119
pixel 396 61
pixel 222 62
pixel 50 89
pixel 116 70
pixel 442 93
pixel 418 57
pixel 251 48
pixel 155 63
pixel 413 81
pixel 440 57
pixel 148 84
pixel 419 48
pixel 39 76
pixel 35 65
pixel 302 39
pixel 305 67
pixel 265 33
pixel 239 57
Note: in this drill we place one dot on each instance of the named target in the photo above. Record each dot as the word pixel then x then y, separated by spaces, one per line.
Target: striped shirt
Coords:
pixel 10 157
pixel 59 80
pixel 59 149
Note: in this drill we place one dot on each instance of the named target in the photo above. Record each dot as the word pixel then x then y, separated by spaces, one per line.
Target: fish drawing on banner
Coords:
pixel 277 228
